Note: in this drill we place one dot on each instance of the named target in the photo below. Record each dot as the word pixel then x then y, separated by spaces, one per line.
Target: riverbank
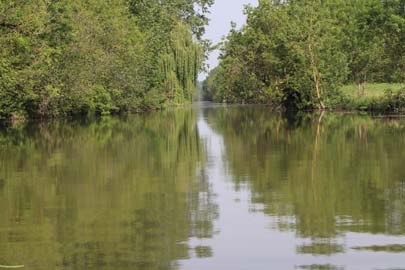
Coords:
pixel 381 98
pixel 374 97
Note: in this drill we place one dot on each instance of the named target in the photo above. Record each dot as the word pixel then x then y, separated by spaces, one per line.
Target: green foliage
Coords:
pixel 60 58
pixel 370 89
pixel 389 101
pixel 211 86
pixel 297 54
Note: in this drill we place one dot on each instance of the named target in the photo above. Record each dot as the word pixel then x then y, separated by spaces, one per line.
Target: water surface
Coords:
pixel 205 188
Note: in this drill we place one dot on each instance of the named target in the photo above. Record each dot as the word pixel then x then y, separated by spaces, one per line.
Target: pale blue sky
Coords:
pixel 222 13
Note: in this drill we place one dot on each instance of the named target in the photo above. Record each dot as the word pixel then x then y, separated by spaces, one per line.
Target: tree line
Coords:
pixel 75 57
pixel 297 53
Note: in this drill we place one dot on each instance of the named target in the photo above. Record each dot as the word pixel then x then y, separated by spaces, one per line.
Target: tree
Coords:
pixel 63 58
pixel 297 53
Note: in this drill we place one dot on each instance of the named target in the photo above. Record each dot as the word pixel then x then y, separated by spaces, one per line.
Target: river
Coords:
pixel 205 188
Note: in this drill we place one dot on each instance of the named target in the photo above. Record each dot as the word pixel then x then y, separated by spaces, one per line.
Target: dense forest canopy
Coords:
pixel 296 53
pixel 61 58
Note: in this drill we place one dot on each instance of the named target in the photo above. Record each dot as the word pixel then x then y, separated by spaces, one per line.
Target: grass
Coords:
pixel 376 98
pixel 371 89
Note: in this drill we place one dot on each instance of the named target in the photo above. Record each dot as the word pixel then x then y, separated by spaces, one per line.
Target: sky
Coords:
pixel 223 12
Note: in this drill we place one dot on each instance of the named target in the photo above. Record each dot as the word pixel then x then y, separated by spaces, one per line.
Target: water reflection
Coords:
pixel 206 188
pixel 112 194
pixel 386 248
pixel 320 176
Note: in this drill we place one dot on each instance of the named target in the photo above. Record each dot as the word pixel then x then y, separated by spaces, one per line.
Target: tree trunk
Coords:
pixel 360 87
pixel 316 77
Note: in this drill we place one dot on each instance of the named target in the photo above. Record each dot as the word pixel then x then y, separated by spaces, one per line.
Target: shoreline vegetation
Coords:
pixel 67 59
pixel 315 55
pixel 376 97
pixel 77 58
